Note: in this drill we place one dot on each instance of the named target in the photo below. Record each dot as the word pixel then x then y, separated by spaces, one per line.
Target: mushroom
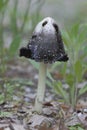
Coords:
pixel 45 46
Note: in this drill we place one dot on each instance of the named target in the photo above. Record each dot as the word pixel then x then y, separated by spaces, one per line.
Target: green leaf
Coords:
pixel 75 30
pixel 49 76
pixel 35 64
pixel 60 91
pixel 49 83
pixel 1 98
pixel 14 46
pixel 85 50
pixel 78 69
pixel 3 3
pixel 69 79
pixel 5 114
pixel 66 38
pixel 80 128
pixel 76 127
pixel 64 69
pixel 83 90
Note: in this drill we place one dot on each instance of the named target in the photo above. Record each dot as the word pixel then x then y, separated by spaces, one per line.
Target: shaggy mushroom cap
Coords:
pixel 46 44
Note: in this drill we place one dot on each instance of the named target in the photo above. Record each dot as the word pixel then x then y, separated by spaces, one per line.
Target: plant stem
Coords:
pixel 41 87
pixel 76 94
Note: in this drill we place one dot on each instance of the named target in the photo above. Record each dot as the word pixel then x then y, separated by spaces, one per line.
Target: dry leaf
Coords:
pixel 37 122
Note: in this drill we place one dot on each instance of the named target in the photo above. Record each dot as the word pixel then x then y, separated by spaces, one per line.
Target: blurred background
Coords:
pixel 18 19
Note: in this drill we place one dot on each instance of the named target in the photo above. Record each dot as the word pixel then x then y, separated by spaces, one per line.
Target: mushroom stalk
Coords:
pixel 41 87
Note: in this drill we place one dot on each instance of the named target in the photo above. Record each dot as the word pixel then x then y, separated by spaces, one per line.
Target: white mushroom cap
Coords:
pixel 46 44
pixel 48 28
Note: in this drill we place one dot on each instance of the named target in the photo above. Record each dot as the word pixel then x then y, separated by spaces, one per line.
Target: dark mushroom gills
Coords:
pixel 45 46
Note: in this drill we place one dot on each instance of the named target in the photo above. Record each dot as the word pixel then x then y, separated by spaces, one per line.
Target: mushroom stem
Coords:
pixel 41 87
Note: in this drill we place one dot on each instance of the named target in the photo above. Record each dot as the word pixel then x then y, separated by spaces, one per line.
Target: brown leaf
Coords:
pixel 48 104
pixel 57 75
pixel 1 128
pixel 37 122
pixel 83 119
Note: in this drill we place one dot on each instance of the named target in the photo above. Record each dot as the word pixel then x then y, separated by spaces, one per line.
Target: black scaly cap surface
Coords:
pixel 46 44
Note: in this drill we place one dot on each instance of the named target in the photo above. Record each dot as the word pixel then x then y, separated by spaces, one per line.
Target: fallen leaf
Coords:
pixel 37 122
pixel 83 119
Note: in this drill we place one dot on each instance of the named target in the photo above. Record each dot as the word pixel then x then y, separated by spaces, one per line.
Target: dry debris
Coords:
pixel 55 116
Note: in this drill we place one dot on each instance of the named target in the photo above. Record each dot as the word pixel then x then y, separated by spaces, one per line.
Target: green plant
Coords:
pixel 73 71
pixel 77 127
pixel 6 91
pixel 19 21
pixel 5 114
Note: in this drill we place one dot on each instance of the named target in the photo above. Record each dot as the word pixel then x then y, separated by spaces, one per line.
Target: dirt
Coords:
pixel 19 113
pixel 55 116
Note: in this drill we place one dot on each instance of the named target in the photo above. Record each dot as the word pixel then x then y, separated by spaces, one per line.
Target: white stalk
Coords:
pixel 41 87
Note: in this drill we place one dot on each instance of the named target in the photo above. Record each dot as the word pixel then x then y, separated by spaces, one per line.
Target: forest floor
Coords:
pixel 18 112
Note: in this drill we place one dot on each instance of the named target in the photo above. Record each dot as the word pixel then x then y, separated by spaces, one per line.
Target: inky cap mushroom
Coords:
pixel 46 44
